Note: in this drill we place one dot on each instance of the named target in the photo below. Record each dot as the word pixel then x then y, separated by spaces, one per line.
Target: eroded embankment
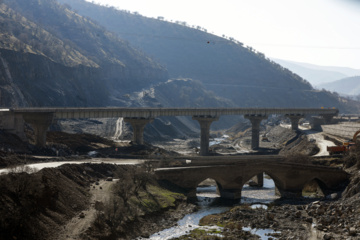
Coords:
pixel 75 201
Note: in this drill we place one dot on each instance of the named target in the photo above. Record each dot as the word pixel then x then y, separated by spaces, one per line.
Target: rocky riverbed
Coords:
pixel 335 216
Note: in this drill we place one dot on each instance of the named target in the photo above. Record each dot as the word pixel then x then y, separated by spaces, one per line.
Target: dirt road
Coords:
pixel 318 137
pixel 79 224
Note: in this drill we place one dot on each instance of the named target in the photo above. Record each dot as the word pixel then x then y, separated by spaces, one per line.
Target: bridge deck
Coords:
pixel 109 112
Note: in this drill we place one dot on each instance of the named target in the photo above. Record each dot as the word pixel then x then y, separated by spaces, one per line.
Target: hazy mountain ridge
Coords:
pixel 346 86
pixel 318 75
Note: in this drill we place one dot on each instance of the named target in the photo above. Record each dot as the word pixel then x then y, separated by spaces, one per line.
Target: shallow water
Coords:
pixel 38 166
pixel 207 196
pixel 266 194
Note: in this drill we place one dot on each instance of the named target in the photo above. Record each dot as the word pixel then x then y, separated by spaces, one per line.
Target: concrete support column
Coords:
pixel 19 126
pixel 294 121
pixel 13 123
pixel 257 181
pixel 327 118
pixel 205 122
pixel 255 142
pixel 255 129
pixel 138 125
pixel 40 123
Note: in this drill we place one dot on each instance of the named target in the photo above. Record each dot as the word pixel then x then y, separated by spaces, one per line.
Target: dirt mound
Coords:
pixel 81 143
pixel 34 206
pixel 47 204
pixel 299 145
pixel 12 143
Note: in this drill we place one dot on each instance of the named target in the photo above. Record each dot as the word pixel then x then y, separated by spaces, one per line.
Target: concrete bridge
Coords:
pixel 41 118
pixel 231 173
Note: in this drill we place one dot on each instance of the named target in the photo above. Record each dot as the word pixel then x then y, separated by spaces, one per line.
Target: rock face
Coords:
pixel 33 80
pixel 46 61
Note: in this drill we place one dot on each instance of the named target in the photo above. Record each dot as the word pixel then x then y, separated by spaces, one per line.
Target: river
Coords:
pixel 207 197
pixel 30 168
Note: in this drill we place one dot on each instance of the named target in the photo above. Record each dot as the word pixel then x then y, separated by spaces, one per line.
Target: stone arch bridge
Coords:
pixel 231 173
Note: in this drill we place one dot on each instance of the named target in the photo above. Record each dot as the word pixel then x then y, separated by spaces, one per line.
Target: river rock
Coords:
pixel 327 237
pixel 145 235
pixel 332 196
pixel 352 231
pixel 269 216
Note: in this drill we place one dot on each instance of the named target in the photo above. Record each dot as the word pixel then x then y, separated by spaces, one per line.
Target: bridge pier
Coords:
pixel 205 122
pixel 255 129
pixel 13 123
pixel 40 123
pixel 294 118
pixel 231 194
pixel 255 142
pixel 138 125
pixel 257 181
pixel 327 118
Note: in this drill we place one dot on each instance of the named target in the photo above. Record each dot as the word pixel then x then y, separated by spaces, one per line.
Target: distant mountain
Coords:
pixel 318 75
pixel 344 70
pixel 345 86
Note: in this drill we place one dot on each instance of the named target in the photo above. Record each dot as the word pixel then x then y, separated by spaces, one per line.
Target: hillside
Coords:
pixel 51 56
pixel 345 86
pixel 190 53
pixel 224 66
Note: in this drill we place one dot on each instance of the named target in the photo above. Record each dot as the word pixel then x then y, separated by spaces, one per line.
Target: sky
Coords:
pixel 321 32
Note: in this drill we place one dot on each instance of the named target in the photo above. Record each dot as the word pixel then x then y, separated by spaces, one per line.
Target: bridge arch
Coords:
pixel 206 183
pixel 314 188
pixel 278 183
pixel 202 179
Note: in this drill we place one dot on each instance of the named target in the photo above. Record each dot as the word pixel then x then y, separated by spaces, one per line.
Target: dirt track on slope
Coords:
pixel 79 224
